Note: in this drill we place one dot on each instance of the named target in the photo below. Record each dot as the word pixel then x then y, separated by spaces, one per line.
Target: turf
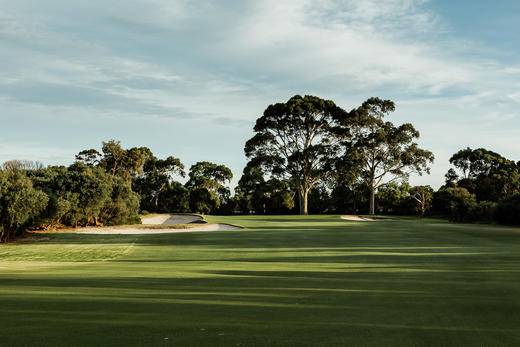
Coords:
pixel 282 281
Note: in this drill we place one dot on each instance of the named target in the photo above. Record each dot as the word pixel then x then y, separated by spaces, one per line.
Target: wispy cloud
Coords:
pixel 183 67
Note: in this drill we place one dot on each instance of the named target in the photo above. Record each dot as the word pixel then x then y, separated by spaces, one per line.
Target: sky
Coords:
pixel 189 78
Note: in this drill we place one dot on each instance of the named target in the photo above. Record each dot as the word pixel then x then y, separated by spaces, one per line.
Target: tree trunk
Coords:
pixel 372 199
pixel 302 198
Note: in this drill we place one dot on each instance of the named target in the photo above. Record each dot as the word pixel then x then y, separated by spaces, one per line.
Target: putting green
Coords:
pixel 282 281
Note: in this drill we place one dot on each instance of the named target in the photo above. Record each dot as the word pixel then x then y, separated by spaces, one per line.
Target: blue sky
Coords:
pixel 189 78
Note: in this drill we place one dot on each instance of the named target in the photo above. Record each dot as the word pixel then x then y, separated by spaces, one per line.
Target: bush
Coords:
pixel 508 210
pixel 454 203
pixel 20 203
pixel 484 211
pixel 203 201
pixel 81 195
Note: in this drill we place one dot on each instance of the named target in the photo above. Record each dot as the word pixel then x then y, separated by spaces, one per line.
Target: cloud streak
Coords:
pixel 217 65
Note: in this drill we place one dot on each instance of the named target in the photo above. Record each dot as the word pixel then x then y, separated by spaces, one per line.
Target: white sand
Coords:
pixel 357 218
pixel 163 219
pixel 170 219
pixel 136 231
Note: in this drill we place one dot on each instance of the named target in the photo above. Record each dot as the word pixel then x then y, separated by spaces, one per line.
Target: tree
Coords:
pixel 11 165
pixel 89 157
pixel 423 196
pixel 20 203
pixel 382 150
pixel 252 189
pixel 83 195
pixel 202 201
pixel 208 177
pixel 113 156
pixel 508 210
pixel 156 178
pixel 486 173
pixel 451 176
pixel 117 160
pixel 454 202
pixel 392 197
pixel 297 140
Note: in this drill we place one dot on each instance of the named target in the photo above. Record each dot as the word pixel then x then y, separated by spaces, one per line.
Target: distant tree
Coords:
pixel 508 210
pixel 89 157
pixel 319 199
pixel 451 176
pixel 384 152
pixel 113 156
pixel 208 175
pixel 81 195
pixel 211 178
pixel 297 140
pixel 202 201
pixel 252 189
pixel 175 198
pixel 454 202
pixel 392 197
pixel 117 160
pixel 486 173
pixel 280 196
pixel 156 178
pixel 21 165
pixel 423 196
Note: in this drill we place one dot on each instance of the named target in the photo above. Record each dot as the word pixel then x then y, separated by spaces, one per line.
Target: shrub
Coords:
pixel 454 203
pixel 20 203
pixel 484 211
pixel 508 210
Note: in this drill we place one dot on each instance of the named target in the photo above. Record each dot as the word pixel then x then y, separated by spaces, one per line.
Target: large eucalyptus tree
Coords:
pixel 383 152
pixel 298 140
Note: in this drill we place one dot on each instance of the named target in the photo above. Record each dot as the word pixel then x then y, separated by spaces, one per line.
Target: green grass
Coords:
pixel 282 281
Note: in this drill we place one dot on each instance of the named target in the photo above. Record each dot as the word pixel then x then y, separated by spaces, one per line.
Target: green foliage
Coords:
pixel 175 199
pixel 319 199
pixel 116 160
pixel 206 186
pixel 203 201
pixel 20 203
pixel 83 195
pixel 255 194
pixel 508 210
pixel 487 174
pixel 208 175
pixel 393 198
pixel 454 203
pixel 380 149
pixel 123 205
pixel 483 211
pixel 350 198
pixel 297 140
pixel 156 185
pixel 422 196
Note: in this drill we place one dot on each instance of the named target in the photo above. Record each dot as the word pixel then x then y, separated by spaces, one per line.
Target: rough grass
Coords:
pixel 283 281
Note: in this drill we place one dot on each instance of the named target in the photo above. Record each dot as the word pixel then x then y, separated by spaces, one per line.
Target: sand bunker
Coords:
pixel 164 219
pixel 137 231
pixel 357 218
pixel 170 219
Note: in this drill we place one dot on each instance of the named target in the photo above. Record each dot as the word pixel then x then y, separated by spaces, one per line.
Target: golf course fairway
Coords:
pixel 280 281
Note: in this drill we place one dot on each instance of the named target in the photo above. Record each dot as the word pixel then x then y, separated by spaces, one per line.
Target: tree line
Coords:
pixel 109 187
pixel 307 155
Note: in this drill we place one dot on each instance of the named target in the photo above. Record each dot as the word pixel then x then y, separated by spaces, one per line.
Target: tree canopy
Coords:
pixel 382 151
pixel 297 140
